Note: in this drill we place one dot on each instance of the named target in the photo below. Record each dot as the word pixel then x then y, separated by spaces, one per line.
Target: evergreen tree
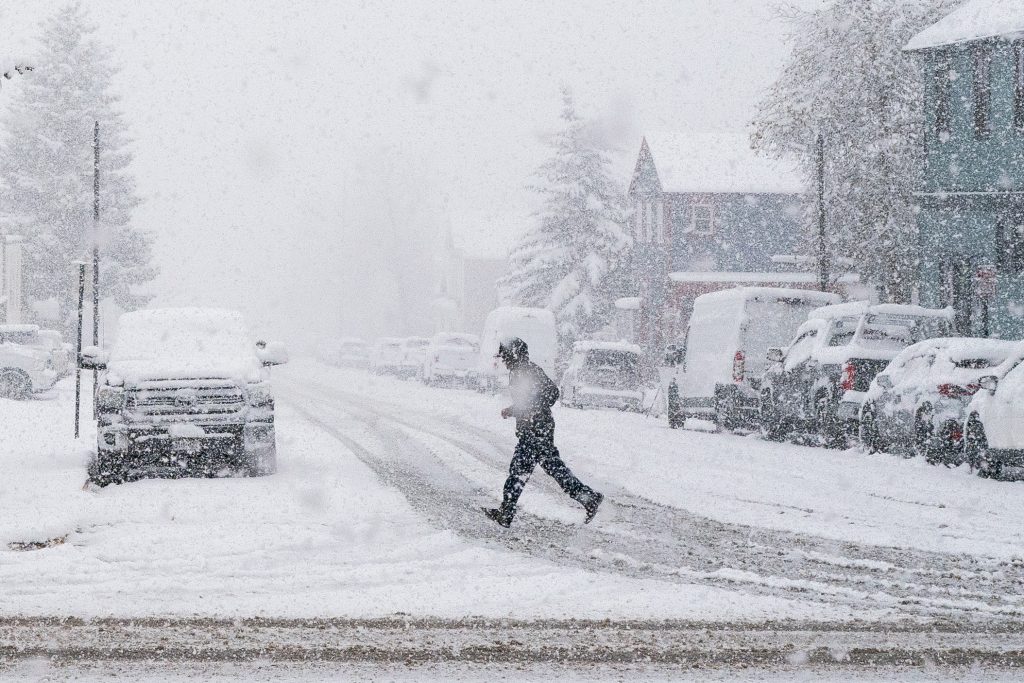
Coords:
pixel 46 170
pixel 568 261
pixel 849 80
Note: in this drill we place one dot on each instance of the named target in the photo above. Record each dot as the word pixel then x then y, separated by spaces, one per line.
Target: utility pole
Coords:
pixel 95 248
pixel 78 354
pixel 822 250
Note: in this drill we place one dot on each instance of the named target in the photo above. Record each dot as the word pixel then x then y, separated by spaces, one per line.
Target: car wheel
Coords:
pixel 827 422
pixel 870 437
pixel 773 427
pixel 924 436
pixel 106 469
pixel 976 449
pixel 14 384
pixel 725 414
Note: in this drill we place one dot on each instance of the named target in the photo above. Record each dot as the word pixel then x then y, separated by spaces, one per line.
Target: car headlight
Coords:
pixel 111 399
pixel 260 395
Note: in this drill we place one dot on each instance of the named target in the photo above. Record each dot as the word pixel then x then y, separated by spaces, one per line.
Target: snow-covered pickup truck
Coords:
pixel 183 392
pixel 31 360
pixel 819 382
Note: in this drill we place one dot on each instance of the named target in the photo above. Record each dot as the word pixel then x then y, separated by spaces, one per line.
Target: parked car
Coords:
pixel 535 326
pixel 607 375
pixel 994 428
pixel 183 391
pixel 31 360
pixel 716 371
pixel 818 383
pixel 347 352
pixel 918 403
pixel 414 354
pixel 451 357
pixel 387 356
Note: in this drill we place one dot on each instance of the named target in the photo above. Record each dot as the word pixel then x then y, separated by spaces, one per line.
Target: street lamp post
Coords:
pixel 822 242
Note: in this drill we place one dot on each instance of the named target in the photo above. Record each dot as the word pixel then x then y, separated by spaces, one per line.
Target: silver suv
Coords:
pixel 31 360
pixel 183 392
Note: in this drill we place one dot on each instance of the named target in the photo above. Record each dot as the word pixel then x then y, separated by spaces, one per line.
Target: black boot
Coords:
pixel 590 502
pixel 499 516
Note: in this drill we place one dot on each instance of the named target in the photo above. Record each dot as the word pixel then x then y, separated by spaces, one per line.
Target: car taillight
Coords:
pixel 738 362
pixel 957 391
pixel 849 375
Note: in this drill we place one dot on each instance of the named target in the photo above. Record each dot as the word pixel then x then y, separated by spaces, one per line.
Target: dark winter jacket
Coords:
pixel 533 394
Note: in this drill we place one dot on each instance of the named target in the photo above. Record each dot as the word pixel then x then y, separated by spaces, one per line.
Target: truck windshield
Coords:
pixel 621 366
pixel 891 331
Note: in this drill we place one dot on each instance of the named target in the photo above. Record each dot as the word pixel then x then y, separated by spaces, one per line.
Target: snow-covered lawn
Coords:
pixel 322 537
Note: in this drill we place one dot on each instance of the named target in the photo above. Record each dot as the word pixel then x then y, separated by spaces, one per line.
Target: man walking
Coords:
pixel 533 394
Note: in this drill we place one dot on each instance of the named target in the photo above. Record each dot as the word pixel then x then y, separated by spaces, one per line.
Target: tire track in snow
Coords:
pixel 649 540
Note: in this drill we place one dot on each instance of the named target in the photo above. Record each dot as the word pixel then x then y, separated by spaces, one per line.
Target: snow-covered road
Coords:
pixel 375 514
pixel 446 457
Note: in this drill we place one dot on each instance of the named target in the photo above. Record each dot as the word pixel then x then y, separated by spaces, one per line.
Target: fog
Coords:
pixel 301 161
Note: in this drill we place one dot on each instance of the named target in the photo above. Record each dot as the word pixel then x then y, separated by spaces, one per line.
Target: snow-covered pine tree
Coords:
pixel 46 170
pixel 568 259
pixel 849 81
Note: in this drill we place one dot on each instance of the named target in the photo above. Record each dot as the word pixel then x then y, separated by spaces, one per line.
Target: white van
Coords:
pixel 535 326
pixel 717 369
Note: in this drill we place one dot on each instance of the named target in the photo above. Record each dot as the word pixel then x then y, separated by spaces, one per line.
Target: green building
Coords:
pixel 971 220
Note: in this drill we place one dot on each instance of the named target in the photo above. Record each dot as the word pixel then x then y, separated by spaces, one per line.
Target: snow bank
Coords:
pixel 975 20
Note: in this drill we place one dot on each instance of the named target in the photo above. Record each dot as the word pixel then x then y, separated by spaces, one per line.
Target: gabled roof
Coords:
pixel 975 20
pixel 711 162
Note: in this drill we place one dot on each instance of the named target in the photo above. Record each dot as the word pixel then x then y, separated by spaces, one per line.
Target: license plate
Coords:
pixel 186 445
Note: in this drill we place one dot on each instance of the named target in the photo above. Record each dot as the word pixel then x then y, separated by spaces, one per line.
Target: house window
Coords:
pixel 943 83
pixel 702 219
pixel 1018 90
pixel 982 91
pixel 1010 244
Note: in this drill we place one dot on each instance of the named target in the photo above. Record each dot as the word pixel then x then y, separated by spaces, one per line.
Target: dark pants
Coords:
pixel 537 447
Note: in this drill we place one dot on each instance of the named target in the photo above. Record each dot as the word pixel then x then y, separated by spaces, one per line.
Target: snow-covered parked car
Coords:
pixel 31 360
pixel 606 375
pixel 451 357
pixel 994 427
pixel 183 392
pixel 818 383
pixel 414 354
pixel 387 355
pixel 347 352
pixel 918 403
pixel 716 372
pixel 535 326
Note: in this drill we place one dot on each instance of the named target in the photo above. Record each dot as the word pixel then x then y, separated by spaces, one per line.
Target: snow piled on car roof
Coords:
pixel 625 347
pixel 183 343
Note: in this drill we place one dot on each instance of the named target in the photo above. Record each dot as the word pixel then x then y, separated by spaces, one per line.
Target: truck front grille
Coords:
pixel 172 401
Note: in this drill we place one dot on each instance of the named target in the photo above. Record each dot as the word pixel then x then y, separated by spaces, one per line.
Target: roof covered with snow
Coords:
pixel 856 308
pixel 716 162
pixel 748 293
pixel 622 346
pixel 755 277
pixel 975 20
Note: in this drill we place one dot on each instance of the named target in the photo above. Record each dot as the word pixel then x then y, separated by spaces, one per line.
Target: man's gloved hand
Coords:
pixel 506 413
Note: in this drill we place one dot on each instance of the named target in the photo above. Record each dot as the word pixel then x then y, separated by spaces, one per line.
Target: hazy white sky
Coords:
pixel 273 138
